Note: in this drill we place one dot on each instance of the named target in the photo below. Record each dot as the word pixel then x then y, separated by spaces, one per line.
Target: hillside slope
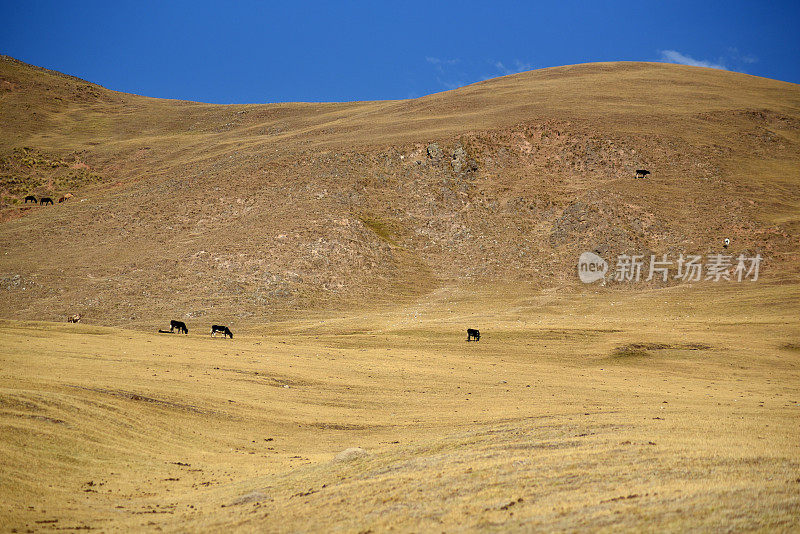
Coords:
pixel 240 212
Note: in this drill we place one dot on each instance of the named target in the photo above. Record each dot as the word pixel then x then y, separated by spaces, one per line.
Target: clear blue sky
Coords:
pixel 247 52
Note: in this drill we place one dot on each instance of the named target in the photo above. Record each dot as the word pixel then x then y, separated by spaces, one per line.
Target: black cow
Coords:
pixel 472 333
pixel 641 173
pixel 45 200
pixel 222 329
pixel 180 325
pixel 30 198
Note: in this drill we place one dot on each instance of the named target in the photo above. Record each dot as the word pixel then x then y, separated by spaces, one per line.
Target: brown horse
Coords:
pixel 65 197
pixel 45 200
pixel 74 318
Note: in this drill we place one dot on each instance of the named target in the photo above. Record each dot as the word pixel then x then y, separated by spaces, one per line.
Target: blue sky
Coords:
pixel 249 52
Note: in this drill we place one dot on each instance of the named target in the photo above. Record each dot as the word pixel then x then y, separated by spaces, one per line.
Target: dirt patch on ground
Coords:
pixel 647 349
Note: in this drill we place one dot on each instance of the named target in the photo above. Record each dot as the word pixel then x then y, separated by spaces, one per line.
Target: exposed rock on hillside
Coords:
pixel 243 210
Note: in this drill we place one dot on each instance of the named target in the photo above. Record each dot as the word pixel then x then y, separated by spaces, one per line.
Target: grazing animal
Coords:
pixel 180 325
pixel 74 318
pixel 65 197
pixel 641 173
pixel 472 333
pixel 30 198
pixel 726 243
pixel 224 330
pixel 45 200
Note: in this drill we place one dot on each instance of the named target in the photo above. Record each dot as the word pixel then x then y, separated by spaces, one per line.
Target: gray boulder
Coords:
pixel 434 152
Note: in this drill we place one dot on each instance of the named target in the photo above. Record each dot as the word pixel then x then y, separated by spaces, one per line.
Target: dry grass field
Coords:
pixel 672 409
pixel 349 246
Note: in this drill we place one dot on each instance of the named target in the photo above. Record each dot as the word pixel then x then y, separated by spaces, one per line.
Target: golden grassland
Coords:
pixel 668 408
pixel 349 254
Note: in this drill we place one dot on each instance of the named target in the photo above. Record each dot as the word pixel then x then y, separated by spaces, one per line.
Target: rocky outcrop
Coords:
pixel 434 152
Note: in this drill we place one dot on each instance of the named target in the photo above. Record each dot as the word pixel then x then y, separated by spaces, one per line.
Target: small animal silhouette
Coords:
pixel 641 173
pixel 30 198
pixel 45 200
pixel 472 333
pixel 74 318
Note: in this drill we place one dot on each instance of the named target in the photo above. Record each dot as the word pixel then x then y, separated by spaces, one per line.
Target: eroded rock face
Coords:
pixel 434 152
pixel 595 225
pixel 574 221
pixel 461 162
pixel 459 152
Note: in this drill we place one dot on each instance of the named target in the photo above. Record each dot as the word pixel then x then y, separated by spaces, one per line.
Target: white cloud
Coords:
pixel 448 84
pixel 738 57
pixel 518 66
pixel 673 56
pixel 452 73
pixel 439 61
pixel 447 74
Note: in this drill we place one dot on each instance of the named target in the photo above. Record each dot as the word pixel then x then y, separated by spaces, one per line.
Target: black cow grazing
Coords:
pixel 180 325
pixel 641 173
pixel 30 198
pixel 45 201
pixel 473 334
pixel 224 330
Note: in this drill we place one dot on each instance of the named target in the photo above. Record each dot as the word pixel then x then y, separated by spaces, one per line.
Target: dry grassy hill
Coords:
pixel 348 246
pixel 235 212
